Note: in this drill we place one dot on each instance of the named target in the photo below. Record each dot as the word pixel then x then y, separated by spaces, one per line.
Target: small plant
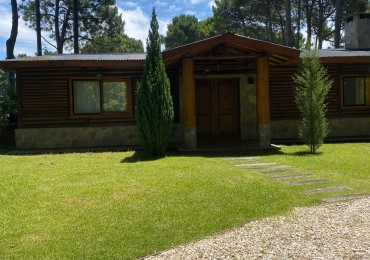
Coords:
pixel 154 107
pixel 313 85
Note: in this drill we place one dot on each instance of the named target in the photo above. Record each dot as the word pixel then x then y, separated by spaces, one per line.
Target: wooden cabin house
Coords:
pixel 225 88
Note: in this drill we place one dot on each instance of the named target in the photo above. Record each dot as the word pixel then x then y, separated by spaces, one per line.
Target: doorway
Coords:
pixel 217 109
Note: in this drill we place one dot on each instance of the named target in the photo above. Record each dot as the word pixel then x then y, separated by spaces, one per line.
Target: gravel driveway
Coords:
pixel 327 231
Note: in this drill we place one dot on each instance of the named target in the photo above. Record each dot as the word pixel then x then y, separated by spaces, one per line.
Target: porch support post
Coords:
pixel 188 96
pixel 263 102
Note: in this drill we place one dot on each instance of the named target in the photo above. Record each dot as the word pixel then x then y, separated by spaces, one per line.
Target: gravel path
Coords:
pixel 327 231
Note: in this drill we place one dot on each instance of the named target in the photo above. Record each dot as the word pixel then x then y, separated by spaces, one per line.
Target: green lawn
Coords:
pixel 120 205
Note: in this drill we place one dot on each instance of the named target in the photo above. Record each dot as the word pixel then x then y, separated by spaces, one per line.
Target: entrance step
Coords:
pixel 292 176
pixel 345 197
pixel 303 182
pixel 328 189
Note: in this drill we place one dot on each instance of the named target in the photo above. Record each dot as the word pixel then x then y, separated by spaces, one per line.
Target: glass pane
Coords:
pixel 353 91
pixel 86 97
pixel 115 98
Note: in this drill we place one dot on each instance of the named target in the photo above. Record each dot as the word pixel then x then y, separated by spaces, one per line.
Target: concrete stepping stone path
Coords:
pixel 255 164
pixel 303 182
pixel 292 176
pixel 327 189
pixel 279 170
pixel 345 197
pixel 284 172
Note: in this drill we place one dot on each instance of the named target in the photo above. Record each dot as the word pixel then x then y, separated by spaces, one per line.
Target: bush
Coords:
pixel 313 87
pixel 154 107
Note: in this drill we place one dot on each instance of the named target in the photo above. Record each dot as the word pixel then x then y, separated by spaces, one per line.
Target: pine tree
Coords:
pixel 313 87
pixel 154 107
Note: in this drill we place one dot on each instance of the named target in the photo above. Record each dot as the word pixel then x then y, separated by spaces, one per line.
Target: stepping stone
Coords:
pixel 345 197
pixel 247 161
pixel 284 170
pixel 328 189
pixel 243 158
pixel 302 182
pixel 255 164
pixel 292 176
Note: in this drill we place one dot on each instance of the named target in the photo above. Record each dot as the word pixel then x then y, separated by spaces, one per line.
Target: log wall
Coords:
pixel 44 97
pixel 282 89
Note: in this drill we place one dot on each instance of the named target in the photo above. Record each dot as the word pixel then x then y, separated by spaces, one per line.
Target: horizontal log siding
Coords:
pixel 45 102
pixel 282 86
pixel 282 89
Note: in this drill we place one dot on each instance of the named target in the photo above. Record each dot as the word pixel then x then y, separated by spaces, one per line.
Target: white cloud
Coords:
pixel 190 12
pixel 195 2
pixel 160 3
pixel 211 4
pixel 26 38
pixel 129 4
pixel 137 23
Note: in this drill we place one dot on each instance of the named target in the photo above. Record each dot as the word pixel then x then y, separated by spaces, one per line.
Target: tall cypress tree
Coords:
pixel 154 107
pixel 313 85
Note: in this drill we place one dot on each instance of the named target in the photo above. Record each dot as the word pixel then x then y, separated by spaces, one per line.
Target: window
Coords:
pixel 356 91
pixel 86 97
pixel 100 97
pixel 114 96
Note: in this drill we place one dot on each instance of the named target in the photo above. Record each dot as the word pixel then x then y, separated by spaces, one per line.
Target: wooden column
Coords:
pixel 188 97
pixel 263 102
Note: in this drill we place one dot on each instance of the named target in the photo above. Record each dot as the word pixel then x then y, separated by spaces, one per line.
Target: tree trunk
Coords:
pixel 75 27
pixel 10 43
pixel 38 27
pixel 56 28
pixel 309 23
pixel 299 17
pixel 338 23
pixel 288 23
pixel 269 22
pixel 320 29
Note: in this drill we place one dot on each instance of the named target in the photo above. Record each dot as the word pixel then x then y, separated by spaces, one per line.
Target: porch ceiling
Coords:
pixel 229 46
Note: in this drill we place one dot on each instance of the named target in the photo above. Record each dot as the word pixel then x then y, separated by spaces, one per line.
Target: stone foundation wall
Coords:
pixel 339 127
pixel 248 110
pixel 79 137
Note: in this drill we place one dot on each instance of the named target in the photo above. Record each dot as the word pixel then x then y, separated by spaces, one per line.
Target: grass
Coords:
pixel 122 205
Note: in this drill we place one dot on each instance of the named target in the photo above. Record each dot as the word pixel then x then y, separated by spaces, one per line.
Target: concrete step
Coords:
pixel 262 164
pixel 328 189
pixel 345 197
pixel 292 176
pixel 303 182
pixel 280 169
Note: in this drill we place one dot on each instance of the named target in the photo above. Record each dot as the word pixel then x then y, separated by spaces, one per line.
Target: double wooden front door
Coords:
pixel 217 106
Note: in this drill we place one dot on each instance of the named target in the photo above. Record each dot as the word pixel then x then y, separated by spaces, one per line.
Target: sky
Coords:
pixel 136 13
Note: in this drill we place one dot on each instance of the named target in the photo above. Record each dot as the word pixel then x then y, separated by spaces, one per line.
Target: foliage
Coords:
pixel 120 205
pixel 186 29
pixel 115 44
pixel 154 107
pixel 182 30
pixel 267 19
pixel 256 19
pixel 98 21
pixel 313 87
pixel 8 105
pixel 207 28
